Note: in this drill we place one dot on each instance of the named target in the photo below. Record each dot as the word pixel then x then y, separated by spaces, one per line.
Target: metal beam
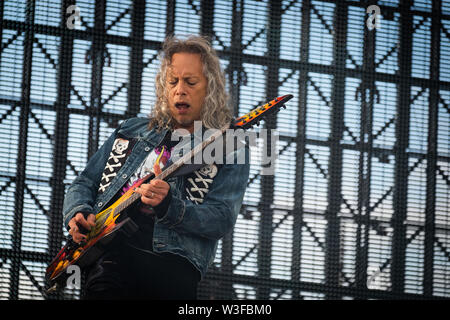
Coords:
pixel 316 288
pixel 136 64
pixel 207 18
pixel 300 150
pixel 234 81
pixel 22 149
pixel 97 52
pixel 235 69
pixel 400 197
pixel 334 197
pixel 170 20
pixel 433 105
pixel 2 7
pixel 64 77
pixel 365 157
pixel 246 58
pixel 267 181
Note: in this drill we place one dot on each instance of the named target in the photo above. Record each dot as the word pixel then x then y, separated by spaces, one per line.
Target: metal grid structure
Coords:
pixel 359 204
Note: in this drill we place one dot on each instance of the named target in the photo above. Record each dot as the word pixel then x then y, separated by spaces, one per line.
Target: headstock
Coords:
pixel 248 120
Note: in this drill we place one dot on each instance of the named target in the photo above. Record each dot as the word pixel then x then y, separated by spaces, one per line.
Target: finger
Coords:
pixel 78 237
pixel 73 229
pixel 91 219
pixel 82 222
pixel 150 191
pixel 144 187
pixel 145 191
pixel 151 198
pixel 149 201
pixel 159 184
pixel 72 224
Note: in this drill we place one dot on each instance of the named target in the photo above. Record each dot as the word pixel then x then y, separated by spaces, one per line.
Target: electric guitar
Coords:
pixel 107 226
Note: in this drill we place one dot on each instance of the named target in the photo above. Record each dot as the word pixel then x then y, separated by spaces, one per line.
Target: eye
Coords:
pixel 191 81
pixel 173 82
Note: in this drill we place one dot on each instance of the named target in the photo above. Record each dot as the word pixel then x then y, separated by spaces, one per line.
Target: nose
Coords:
pixel 180 88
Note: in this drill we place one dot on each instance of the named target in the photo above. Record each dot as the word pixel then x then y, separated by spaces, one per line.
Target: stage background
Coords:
pixel 358 207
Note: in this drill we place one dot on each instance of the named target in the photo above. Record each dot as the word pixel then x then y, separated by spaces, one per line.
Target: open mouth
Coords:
pixel 181 105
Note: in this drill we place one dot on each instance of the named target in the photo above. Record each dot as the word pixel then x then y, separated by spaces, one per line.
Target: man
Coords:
pixel 180 220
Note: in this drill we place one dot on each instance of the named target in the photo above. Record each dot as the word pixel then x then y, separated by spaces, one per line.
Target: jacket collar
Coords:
pixel 152 136
pixel 137 128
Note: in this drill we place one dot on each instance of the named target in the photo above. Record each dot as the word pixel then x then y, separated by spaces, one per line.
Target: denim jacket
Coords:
pixel 187 229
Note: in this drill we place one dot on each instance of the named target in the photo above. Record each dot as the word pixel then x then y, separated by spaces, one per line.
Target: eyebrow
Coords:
pixel 188 76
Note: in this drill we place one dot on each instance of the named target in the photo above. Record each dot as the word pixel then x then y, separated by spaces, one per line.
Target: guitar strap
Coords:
pixel 117 157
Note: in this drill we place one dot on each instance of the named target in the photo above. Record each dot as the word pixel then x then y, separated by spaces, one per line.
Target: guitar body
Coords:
pixel 97 242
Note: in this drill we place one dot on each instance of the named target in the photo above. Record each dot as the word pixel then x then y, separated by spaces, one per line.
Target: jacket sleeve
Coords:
pixel 216 216
pixel 81 195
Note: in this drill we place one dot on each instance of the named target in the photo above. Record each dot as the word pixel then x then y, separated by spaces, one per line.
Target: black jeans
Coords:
pixel 129 273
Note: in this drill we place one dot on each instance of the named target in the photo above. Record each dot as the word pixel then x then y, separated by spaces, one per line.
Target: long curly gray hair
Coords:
pixel 216 112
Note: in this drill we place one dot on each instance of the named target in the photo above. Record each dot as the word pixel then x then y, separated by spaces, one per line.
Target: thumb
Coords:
pixel 157 169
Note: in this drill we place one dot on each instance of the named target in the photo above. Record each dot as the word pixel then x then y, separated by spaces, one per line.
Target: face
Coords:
pixel 187 89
